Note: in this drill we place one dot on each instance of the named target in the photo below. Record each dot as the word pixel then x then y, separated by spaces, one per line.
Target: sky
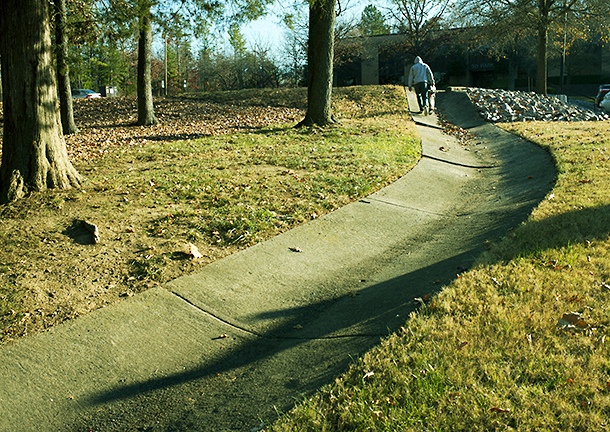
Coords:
pixel 269 32
pixel 266 32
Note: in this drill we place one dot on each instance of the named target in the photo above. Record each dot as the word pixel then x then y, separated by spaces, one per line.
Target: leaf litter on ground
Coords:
pixel 220 172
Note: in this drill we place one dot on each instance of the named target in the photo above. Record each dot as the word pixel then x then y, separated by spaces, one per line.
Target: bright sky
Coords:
pixel 269 32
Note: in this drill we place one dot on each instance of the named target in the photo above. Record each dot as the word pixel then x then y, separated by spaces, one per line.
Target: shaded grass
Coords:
pixel 488 352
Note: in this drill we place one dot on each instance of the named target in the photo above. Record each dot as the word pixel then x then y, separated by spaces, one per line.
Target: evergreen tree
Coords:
pixel 372 22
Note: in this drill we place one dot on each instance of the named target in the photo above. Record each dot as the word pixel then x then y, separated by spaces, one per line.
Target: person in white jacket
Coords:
pixel 420 77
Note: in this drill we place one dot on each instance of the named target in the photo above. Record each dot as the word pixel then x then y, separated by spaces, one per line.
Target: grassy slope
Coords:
pixel 221 193
pixel 487 353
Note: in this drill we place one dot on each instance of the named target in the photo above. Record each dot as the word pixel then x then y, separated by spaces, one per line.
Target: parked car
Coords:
pixel 605 103
pixel 603 90
pixel 82 93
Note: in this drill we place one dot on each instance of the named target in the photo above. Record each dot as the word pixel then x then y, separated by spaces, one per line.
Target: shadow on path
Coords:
pixel 261 370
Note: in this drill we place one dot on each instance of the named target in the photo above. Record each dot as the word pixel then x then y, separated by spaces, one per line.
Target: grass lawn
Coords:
pixel 520 342
pixel 165 206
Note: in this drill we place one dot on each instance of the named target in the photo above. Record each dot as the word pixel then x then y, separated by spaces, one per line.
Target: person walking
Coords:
pixel 420 76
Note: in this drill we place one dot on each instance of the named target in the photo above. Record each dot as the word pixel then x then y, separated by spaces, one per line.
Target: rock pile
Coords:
pixel 513 106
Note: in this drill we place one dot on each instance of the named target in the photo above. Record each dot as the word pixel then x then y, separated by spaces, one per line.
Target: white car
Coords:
pixel 605 103
pixel 85 94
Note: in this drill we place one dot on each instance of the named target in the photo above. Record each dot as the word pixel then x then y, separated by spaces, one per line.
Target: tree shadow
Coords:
pixel 274 369
pixel 577 226
pixel 309 345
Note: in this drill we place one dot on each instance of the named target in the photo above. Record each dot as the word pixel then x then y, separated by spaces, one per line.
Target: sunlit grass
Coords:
pixel 243 188
pixel 158 199
pixel 487 352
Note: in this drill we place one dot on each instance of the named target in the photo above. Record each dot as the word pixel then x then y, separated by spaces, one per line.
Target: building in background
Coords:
pixel 386 59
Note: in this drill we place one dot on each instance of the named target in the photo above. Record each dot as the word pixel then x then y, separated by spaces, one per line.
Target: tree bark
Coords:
pixel 34 154
pixel 513 72
pixel 320 53
pixel 543 26
pixel 64 88
pixel 146 111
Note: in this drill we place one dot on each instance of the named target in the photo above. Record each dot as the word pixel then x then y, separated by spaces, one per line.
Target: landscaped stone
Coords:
pixel 502 106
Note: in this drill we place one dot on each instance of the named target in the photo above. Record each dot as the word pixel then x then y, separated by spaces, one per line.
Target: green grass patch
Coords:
pixel 243 188
pixel 494 350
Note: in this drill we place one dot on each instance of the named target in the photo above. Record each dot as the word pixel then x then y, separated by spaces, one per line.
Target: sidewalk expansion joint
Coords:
pixel 268 337
pixel 420 123
pixel 458 163
pixel 368 200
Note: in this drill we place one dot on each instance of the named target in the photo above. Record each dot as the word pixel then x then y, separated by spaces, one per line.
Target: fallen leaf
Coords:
pixel 194 252
pixel 572 320
pixel 499 410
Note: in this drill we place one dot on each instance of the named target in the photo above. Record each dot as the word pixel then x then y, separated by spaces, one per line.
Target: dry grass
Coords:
pixel 494 350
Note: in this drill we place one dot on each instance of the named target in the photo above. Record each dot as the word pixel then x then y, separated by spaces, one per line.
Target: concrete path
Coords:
pixel 227 348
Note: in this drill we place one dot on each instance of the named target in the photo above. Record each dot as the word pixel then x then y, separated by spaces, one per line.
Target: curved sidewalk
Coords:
pixel 222 349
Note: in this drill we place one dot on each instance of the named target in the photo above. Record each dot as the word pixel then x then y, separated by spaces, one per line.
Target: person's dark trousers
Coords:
pixel 421 89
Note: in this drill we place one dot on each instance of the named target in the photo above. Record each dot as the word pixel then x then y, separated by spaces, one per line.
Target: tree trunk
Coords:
pixel 34 155
pixel 320 63
pixel 513 72
pixel 543 25
pixel 64 88
pixel 146 111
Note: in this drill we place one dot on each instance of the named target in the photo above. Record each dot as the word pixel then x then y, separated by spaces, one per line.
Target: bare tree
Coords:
pixel 506 17
pixel 146 111
pixel 417 18
pixel 322 16
pixel 63 70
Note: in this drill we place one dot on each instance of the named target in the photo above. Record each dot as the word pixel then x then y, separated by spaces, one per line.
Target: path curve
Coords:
pixel 221 350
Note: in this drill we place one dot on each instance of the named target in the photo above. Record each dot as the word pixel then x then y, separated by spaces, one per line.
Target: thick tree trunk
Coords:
pixel 63 70
pixel 34 155
pixel 320 63
pixel 146 111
